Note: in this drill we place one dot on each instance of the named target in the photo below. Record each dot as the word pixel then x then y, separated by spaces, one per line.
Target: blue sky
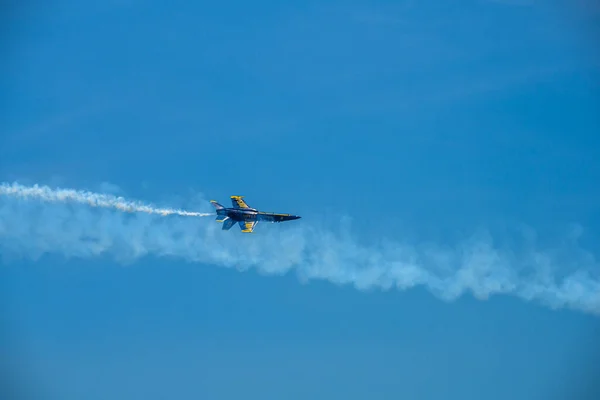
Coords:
pixel 424 124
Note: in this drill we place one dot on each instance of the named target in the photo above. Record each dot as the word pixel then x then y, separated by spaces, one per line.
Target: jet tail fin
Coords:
pixel 216 205
pixel 228 224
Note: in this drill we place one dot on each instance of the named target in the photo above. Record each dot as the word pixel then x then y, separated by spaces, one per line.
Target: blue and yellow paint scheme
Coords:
pixel 245 216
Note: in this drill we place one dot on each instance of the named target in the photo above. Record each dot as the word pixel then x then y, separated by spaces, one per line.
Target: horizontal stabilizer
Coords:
pixel 216 205
pixel 221 218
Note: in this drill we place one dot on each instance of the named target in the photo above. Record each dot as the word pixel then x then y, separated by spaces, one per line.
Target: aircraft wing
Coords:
pixel 247 226
pixel 238 202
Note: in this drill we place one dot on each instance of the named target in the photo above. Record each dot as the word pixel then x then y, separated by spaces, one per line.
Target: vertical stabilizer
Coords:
pixel 228 224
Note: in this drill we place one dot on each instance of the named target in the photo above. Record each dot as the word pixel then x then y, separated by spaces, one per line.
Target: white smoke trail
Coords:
pixel 35 228
pixel 45 193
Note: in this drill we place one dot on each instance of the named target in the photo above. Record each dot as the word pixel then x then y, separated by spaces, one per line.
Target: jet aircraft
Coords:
pixel 246 216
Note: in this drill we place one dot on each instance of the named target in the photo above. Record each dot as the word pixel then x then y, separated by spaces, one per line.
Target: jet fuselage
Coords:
pixel 246 216
pixel 252 214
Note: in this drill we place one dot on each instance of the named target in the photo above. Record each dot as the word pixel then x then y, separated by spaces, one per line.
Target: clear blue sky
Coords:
pixel 424 123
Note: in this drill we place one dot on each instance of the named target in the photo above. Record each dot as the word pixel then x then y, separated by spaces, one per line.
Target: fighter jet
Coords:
pixel 245 216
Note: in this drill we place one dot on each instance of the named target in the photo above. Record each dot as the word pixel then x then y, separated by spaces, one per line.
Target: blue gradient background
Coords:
pixel 426 119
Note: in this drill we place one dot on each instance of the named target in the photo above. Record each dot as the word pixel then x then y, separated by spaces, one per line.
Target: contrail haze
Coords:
pixel 44 193
pixel 37 220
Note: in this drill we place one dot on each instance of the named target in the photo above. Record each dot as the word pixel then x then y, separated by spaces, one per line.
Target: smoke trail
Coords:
pixel 56 224
pixel 44 193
